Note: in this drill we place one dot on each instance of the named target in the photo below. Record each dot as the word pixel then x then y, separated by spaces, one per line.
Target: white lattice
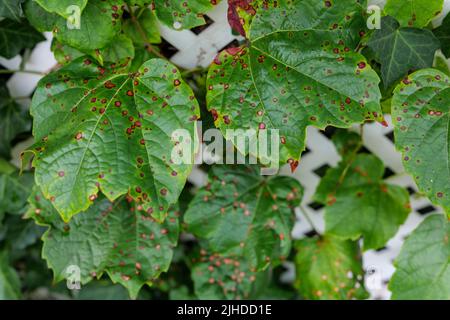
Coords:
pixel 199 50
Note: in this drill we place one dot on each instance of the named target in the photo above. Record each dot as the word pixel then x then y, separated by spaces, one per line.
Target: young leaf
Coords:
pixel 11 9
pixel 99 23
pixel 400 50
pixel 16 36
pixel 119 51
pixel 329 269
pixel 421 118
pixel 181 14
pixel 414 13
pixel 64 53
pixel 359 203
pixel 443 34
pixel 242 213
pixel 13 120
pixel 148 23
pixel 116 238
pixel 299 70
pixel 14 192
pixel 98 129
pixel 422 268
pixel 9 280
pixel 219 277
pixel 441 64
pixel 240 14
pixel 65 8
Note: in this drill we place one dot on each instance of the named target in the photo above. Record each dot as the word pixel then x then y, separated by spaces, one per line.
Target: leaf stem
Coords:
pixel 308 218
pixel 187 73
pixel 352 157
pixel 148 46
pixel 9 71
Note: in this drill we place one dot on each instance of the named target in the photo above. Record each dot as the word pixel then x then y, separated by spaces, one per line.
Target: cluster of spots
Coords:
pixel 273 220
pixel 105 106
pixel 236 21
pixel 184 14
pixel 278 104
pixel 417 117
pixel 233 276
pixel 130 258
pixel 315 259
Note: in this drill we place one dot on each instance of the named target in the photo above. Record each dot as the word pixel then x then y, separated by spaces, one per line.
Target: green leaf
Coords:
pixel 219 277
pixel 414 13
pixel 299 70
pixel 442 65
pixel 420 114
pixel 401 50
pixel 242 213
pixel 346 142
pixel 181 14
pixel 443 34
pixel 359 203
pixel 329 269
pixel 62 7
pixel 11 9
pixel 9 280
pixel 13 120
pixel 16 36
pixel 63 53
pixel 120 51
pixel 14 192
pixel 99 23
pixel 148 24
pixel 117 238
pixel 422 268
pixel 102 290
pixel 102 130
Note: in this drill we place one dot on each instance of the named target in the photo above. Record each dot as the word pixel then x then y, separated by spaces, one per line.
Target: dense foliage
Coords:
pixel 99 186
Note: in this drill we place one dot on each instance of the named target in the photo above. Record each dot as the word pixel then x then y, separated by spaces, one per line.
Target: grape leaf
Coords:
pixel 16 36
pixel 9 280
pixel 99 23
pixel 13 120
pixel 14 192
pixel 421 114
pixel 443 34
pixel 64 53
pixel 299 70
pixel 102 130
pixel 422 268
pixel 62 7
pixel 148 23
pixel 240 14
pixel 329 269
pixel 441 64
pixel 181 14
pixel 117 238
pixel 120 51
pixel 240 212
pixel 11 9
pixel 219 277
pixel 400 50
pixel 359 203
pixel 414 13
